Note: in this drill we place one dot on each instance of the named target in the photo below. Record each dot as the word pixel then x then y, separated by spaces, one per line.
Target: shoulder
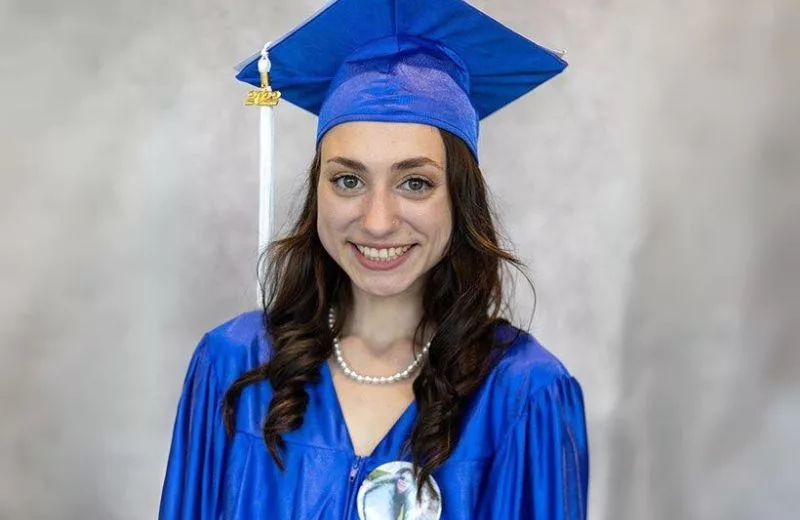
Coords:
pixel 234 347
pixel 526 364
pixel 226 352
pixel 523 374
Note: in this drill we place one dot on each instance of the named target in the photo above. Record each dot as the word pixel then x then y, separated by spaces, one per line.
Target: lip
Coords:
pixel 381 246
pixel 375 265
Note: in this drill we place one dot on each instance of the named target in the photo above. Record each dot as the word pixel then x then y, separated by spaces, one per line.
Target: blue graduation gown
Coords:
pixel 522 453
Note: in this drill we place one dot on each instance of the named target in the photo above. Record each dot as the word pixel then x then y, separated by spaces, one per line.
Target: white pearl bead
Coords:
pixel 352 374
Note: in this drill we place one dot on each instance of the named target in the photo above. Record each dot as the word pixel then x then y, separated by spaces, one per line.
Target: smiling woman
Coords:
pixel 384 208
pixel 381 379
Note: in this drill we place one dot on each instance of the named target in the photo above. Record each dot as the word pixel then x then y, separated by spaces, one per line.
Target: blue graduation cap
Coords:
pixel 437 62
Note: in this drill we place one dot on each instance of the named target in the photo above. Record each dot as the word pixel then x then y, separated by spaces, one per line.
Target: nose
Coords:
pixel 379 217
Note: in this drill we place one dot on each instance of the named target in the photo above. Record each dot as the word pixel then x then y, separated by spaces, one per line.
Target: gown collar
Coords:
pixel 332 417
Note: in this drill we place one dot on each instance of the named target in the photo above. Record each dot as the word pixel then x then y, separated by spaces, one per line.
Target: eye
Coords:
pixel 417 184
pixel 346 182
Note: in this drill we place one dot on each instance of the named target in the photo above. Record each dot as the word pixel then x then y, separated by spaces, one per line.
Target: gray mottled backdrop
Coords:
pixel 652 188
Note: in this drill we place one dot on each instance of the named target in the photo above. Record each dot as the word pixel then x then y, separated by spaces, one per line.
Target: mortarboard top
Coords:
pixel 437 62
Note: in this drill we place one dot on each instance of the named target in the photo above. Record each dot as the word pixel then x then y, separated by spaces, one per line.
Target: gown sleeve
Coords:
pixel 542 473
pixel 192 484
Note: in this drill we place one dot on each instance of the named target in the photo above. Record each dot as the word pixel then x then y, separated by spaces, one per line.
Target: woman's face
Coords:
pixel 383 206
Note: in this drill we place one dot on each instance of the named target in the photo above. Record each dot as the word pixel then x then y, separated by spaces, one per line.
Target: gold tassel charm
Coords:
pixel 265 96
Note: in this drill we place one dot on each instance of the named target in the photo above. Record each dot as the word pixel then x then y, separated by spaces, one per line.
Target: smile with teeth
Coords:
pixel 383 255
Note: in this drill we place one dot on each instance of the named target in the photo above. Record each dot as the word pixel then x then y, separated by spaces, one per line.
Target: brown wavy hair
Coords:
pixel 463 302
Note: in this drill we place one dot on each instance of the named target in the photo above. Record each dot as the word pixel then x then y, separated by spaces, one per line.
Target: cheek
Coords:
pixel 324 228
pixel 441 221
pixel 332 217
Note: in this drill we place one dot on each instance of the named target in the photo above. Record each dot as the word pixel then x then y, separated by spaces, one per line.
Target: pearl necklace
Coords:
pixel 398 376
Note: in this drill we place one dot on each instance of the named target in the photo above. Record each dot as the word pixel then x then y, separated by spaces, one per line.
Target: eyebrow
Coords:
pixel 405 164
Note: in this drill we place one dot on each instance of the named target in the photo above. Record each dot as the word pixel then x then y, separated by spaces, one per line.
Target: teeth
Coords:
pixel 384 255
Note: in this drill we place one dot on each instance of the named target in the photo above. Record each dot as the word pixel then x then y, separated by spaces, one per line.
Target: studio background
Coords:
pixel 652 188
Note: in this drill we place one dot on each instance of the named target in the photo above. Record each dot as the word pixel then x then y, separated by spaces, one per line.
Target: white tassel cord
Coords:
pixel 266 151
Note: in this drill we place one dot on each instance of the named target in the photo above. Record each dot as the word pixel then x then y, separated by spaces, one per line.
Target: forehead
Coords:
pixel 383 142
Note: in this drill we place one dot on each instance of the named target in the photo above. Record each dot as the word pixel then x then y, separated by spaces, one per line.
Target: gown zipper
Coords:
pixel 352 490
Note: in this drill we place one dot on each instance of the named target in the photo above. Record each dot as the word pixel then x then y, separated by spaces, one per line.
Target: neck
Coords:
pixel 384 323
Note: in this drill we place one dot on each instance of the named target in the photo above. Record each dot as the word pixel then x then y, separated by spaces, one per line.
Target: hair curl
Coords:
pixel 463 302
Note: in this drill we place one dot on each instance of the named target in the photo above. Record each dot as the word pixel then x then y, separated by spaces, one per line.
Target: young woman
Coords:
pixel 381 380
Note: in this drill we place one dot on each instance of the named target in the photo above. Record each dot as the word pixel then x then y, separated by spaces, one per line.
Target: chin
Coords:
pixel 383 290
pixel 381 285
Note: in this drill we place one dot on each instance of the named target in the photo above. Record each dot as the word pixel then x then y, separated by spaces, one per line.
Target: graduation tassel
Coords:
pixel 266 99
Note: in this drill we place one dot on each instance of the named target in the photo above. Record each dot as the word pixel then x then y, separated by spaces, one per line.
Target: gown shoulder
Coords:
pixel 234 347
pixel 527 364
pixel 525 370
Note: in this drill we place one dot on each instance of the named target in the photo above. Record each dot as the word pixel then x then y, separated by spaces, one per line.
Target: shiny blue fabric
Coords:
pixel 402 79
pixel 522 454
pixel 438 62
